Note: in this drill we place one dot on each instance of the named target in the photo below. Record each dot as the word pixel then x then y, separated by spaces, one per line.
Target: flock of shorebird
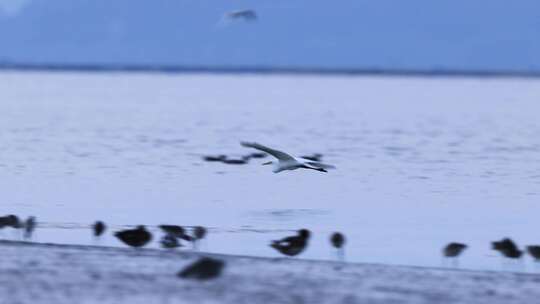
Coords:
pixel 206 268
pixel 140 236
pixel 203 269
pixel 174 234
pixel 506 247
pixel 289 246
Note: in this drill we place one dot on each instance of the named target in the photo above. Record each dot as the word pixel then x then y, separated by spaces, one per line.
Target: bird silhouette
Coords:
pixel 453 250
pixel 237 161
pixel 170 241
pixel 203 269
pixel 98 228
pixel 337 240
pixel 199 233
pixel 292 245
pixel 137 237
pixel 534 251
pixel 29 227
pixel 176 231
pixel 216 158
pixel 256 155
pixel 11 220
pixel 247 15
pixel 507 248
pixel 286 161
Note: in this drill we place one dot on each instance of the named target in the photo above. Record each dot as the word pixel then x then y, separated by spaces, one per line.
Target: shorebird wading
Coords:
pixel 287 162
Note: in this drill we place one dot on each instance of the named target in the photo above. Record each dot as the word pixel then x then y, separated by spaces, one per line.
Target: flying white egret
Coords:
pixel 287 162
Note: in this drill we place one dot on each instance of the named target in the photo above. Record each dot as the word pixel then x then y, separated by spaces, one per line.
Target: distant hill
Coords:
pixel 368 34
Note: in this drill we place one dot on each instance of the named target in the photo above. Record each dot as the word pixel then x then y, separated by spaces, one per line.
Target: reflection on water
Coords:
pixel 421 162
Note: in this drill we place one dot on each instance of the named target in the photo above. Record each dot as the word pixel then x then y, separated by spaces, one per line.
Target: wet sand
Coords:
pixel 51 273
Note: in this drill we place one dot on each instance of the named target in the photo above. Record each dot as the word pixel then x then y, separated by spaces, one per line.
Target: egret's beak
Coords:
pixel 267 163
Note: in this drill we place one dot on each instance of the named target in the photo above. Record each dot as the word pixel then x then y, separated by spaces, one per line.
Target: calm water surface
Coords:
pixel 421 162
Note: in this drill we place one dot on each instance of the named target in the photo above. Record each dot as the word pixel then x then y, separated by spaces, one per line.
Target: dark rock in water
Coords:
pixel 11 220
pixel 203 269
pixel 313 157
pixel 134 237
pixel 170 241
pixel 99 228
pixel 215 158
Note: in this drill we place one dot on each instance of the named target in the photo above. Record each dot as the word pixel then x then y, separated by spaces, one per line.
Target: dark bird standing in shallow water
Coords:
pixel 176 231
pixel 29 227
pixel 10 221
pixel 507 248
pixel 199 233
pixel 99 228
pixel 338 241
pixel 169 241
pixel 534 251
pixel 453 250
pixel 203 269
pixel 292 245
pixel 134 237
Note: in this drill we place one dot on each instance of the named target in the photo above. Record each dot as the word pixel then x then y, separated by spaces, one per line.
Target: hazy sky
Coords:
pixel 462 34
pixel 12 7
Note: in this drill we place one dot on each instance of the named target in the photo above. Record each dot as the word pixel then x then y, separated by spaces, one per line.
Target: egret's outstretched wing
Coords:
pixel 282 156
pixel 320 165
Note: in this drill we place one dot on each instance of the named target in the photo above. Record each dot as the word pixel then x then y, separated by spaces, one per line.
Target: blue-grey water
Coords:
pixel 420 162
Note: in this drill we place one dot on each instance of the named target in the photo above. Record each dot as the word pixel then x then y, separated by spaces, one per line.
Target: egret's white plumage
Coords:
pixel 286 161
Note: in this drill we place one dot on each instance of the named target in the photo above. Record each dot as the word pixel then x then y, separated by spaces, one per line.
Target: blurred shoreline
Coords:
pixel 55 273
pixel 266 70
